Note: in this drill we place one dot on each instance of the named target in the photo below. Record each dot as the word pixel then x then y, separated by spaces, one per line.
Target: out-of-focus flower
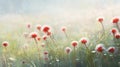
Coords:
pixel 38 38
pixel 84 40
pixel 115 20
pixel 114 31
pixel 46 28
pixel 99 48
pixel 63 29
pixel 100 19
pixel 38 27
pixel 111 49
pixel 33 35
pixel 74 43
pixel 68 50
pixel 44 37
pixel 117 35
pixel 5 44
pixel 28 25
pixel 49 33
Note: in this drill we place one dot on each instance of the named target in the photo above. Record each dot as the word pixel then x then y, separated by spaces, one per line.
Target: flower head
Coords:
pixel 100 19
pixel 63 29
pixel 68 50
pixel 74 43
pixel 111 49
pixel 49 33
pixel 38 38
pixel 114 31
pixel 5 44
pixel 99 48
pixel 45 52
pixel 115 20
pixel 28 25
pixel 46 28
pixel 44 37
pixel 33 35
pixel 84 40
pixel 38 27
pixel 117 35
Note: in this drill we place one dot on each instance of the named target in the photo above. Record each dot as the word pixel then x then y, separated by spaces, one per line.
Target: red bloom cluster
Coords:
pixel 5 43
pixel 111 49
pixel 115 20
pixel 68 50
pixel 74 43
pixel 100 19
pixel 99 48
pixel 33 35
pixel 84 40
pixel 46 28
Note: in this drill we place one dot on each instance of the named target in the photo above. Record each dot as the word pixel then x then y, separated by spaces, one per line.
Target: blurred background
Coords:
pixel 79 14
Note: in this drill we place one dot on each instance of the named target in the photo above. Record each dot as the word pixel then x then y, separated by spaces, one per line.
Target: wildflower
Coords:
pixel 5 43
pixel 49 33
pixel 45 52
pixel 44 37
pixel 68 50
pixel 114 31
pixel 99 48
pixel 28 25
pixel 38 27
pixel 115 20
pixel 46 28
pixel 111 49
pixel 38 38
pixel 117 35
pixel 74 43
pixel 84 40
pixel 63 29
pixel 33 35
pixel 100 19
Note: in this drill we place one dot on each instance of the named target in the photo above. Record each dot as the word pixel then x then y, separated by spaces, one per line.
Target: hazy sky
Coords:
pixel 52 6
pixel 80 13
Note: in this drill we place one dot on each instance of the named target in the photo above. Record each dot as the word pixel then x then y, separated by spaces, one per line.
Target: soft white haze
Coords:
pixel 80 14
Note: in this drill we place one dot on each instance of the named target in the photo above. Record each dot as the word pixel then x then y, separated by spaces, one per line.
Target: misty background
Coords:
pixel 78 14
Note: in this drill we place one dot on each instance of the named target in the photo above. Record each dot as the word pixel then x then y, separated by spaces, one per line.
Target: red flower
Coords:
pixel 38 38
pixel 100 19
pixel 44 37
pixel 117 35
pixel 38 27
pixel 63 28
pixel 74 43
pixel 111 49
pixel 68 50
pixel 115 20
pixel 33 34
pixel 99 48
pixel 45 52
pixel 5 43
pixel 45 28
pixel 84 40
pixel 114 31
pixel 28 25
pixel 49 33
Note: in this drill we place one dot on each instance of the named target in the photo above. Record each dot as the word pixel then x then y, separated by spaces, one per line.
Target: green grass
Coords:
pixel 80 57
